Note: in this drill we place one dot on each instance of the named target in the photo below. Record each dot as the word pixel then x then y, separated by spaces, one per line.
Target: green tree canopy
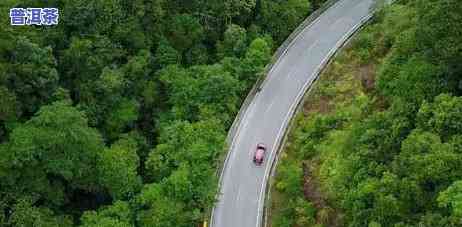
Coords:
pixel 56 142
pixel 117 169
pixel 117 215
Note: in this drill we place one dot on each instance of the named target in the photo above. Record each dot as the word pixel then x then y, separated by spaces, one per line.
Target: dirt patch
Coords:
pixel 326 215
pixel 322 105
pixel 366 74
pixel 311 186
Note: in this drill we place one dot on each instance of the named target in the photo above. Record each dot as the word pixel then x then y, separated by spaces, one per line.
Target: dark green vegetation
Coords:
pixel 118 116
pixel 380 143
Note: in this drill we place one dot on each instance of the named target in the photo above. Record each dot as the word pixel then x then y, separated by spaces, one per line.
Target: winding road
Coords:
pixel 242 184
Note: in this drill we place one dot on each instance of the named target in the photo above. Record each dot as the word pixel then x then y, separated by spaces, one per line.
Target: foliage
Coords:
pixel 118 215
pixel 56 142
pixel 452 198
pixel 31 74
pixel 201 88
pixel 234 42
pixel 117 116
pixel 280 18
pixel 24 214
pixel 117 168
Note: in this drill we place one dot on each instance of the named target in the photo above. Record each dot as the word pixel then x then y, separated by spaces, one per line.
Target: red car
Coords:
pixel 259 155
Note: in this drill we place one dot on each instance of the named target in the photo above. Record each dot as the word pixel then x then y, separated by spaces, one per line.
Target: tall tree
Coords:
pixel 32 74
pixel 117 169
pixel 117 215
pixel 52 154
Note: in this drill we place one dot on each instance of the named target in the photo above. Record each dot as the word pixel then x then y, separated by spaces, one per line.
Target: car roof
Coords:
pixel 259 153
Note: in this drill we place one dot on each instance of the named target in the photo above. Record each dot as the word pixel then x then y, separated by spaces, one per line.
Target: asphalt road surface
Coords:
pixel 241 201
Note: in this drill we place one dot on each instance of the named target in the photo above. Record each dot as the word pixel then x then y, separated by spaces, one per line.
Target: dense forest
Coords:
pixel 118 115
pixel 382 145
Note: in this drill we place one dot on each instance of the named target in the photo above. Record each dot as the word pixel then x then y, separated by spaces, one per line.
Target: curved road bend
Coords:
pixel 240 203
